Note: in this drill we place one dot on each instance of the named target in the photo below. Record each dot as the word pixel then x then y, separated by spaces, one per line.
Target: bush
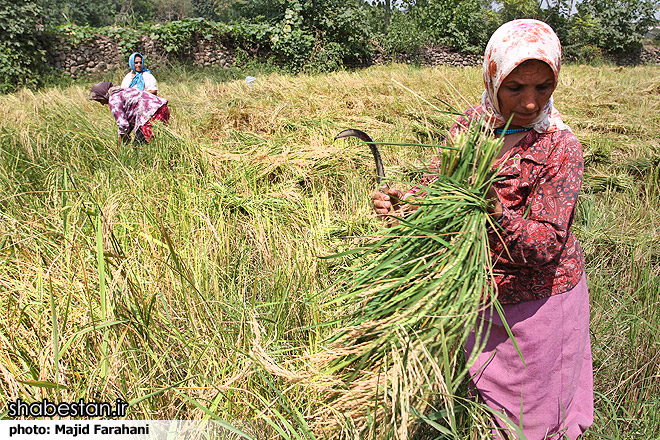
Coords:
pixel 22 59
pixel 84 12
pixel 617 26
pixel 403 35
pixel 307 34
pixel 463 25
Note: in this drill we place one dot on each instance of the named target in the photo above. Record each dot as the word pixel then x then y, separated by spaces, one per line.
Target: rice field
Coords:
pixel 181 275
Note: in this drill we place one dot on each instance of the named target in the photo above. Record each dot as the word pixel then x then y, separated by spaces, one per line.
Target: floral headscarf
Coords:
pixel 137 81
pixel 509 46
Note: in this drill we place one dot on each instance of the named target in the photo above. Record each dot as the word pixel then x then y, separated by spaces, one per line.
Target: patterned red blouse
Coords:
pixel 535 253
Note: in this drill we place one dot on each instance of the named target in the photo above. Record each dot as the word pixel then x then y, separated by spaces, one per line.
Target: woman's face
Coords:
pixel 138 64
pixel 525 91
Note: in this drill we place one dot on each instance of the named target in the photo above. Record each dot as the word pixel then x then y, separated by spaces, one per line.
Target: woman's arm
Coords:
pixel 538 235
pixel 150 83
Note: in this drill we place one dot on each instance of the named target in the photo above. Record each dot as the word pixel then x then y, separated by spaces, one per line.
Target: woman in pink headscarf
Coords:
pixel 539 265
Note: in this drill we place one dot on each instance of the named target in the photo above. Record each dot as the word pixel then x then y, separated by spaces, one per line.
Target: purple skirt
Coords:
pixel 554 390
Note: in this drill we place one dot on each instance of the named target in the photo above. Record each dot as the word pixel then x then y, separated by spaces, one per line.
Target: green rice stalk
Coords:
pixel 100 259
pixel 411 301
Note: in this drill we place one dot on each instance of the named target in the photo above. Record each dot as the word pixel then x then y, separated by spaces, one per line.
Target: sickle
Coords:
pixel 352 132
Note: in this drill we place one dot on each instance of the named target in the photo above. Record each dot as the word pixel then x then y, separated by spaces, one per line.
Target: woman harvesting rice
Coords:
pixel 539 265
pixel 133 109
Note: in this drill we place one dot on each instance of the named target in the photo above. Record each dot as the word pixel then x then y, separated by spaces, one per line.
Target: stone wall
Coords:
pixel 101 54
pixel 439 56
pixel 434 56
pixel 211 53
pixel 650 55
pixel 104 53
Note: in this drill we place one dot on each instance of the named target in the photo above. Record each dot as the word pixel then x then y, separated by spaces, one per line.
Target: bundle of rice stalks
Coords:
pixel 595 182
pixel 411 301
pixel 643 165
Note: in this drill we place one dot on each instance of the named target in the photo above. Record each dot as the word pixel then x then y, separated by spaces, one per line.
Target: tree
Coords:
pixel 206 9
pixel 133 11
pixel 81 12
pixel 319 33
pixel 464 25
pixel 21 56
pixel 618 25
pixel 514 9
pixel 168 10
pixel 96 14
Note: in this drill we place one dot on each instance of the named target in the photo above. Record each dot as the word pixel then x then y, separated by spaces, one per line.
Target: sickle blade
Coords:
pixel 352 132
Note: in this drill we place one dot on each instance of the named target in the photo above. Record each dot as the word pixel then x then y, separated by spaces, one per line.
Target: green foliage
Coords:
pixel 464 25
pixel 403 35
pixel 172 10
pixel 601 26
pixel 206 9
pixel 75 34
pixel 573 31
pixel 617 25
pixel 307 34
pixel 514 9
pixel 82 12
pixel 22 58
pixel 580 42
pixel 127 38
pixel 175 36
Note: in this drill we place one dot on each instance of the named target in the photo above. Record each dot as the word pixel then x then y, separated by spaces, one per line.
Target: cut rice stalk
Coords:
pixel 412 299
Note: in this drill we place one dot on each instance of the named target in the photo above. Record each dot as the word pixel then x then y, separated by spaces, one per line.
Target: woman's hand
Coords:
pixel 494 205
pixel 386 200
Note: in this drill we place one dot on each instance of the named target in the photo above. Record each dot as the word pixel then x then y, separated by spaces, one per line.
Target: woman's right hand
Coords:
pixel 387 199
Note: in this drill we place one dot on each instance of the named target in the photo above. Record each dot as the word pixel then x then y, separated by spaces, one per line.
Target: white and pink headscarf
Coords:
pixel 509 46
